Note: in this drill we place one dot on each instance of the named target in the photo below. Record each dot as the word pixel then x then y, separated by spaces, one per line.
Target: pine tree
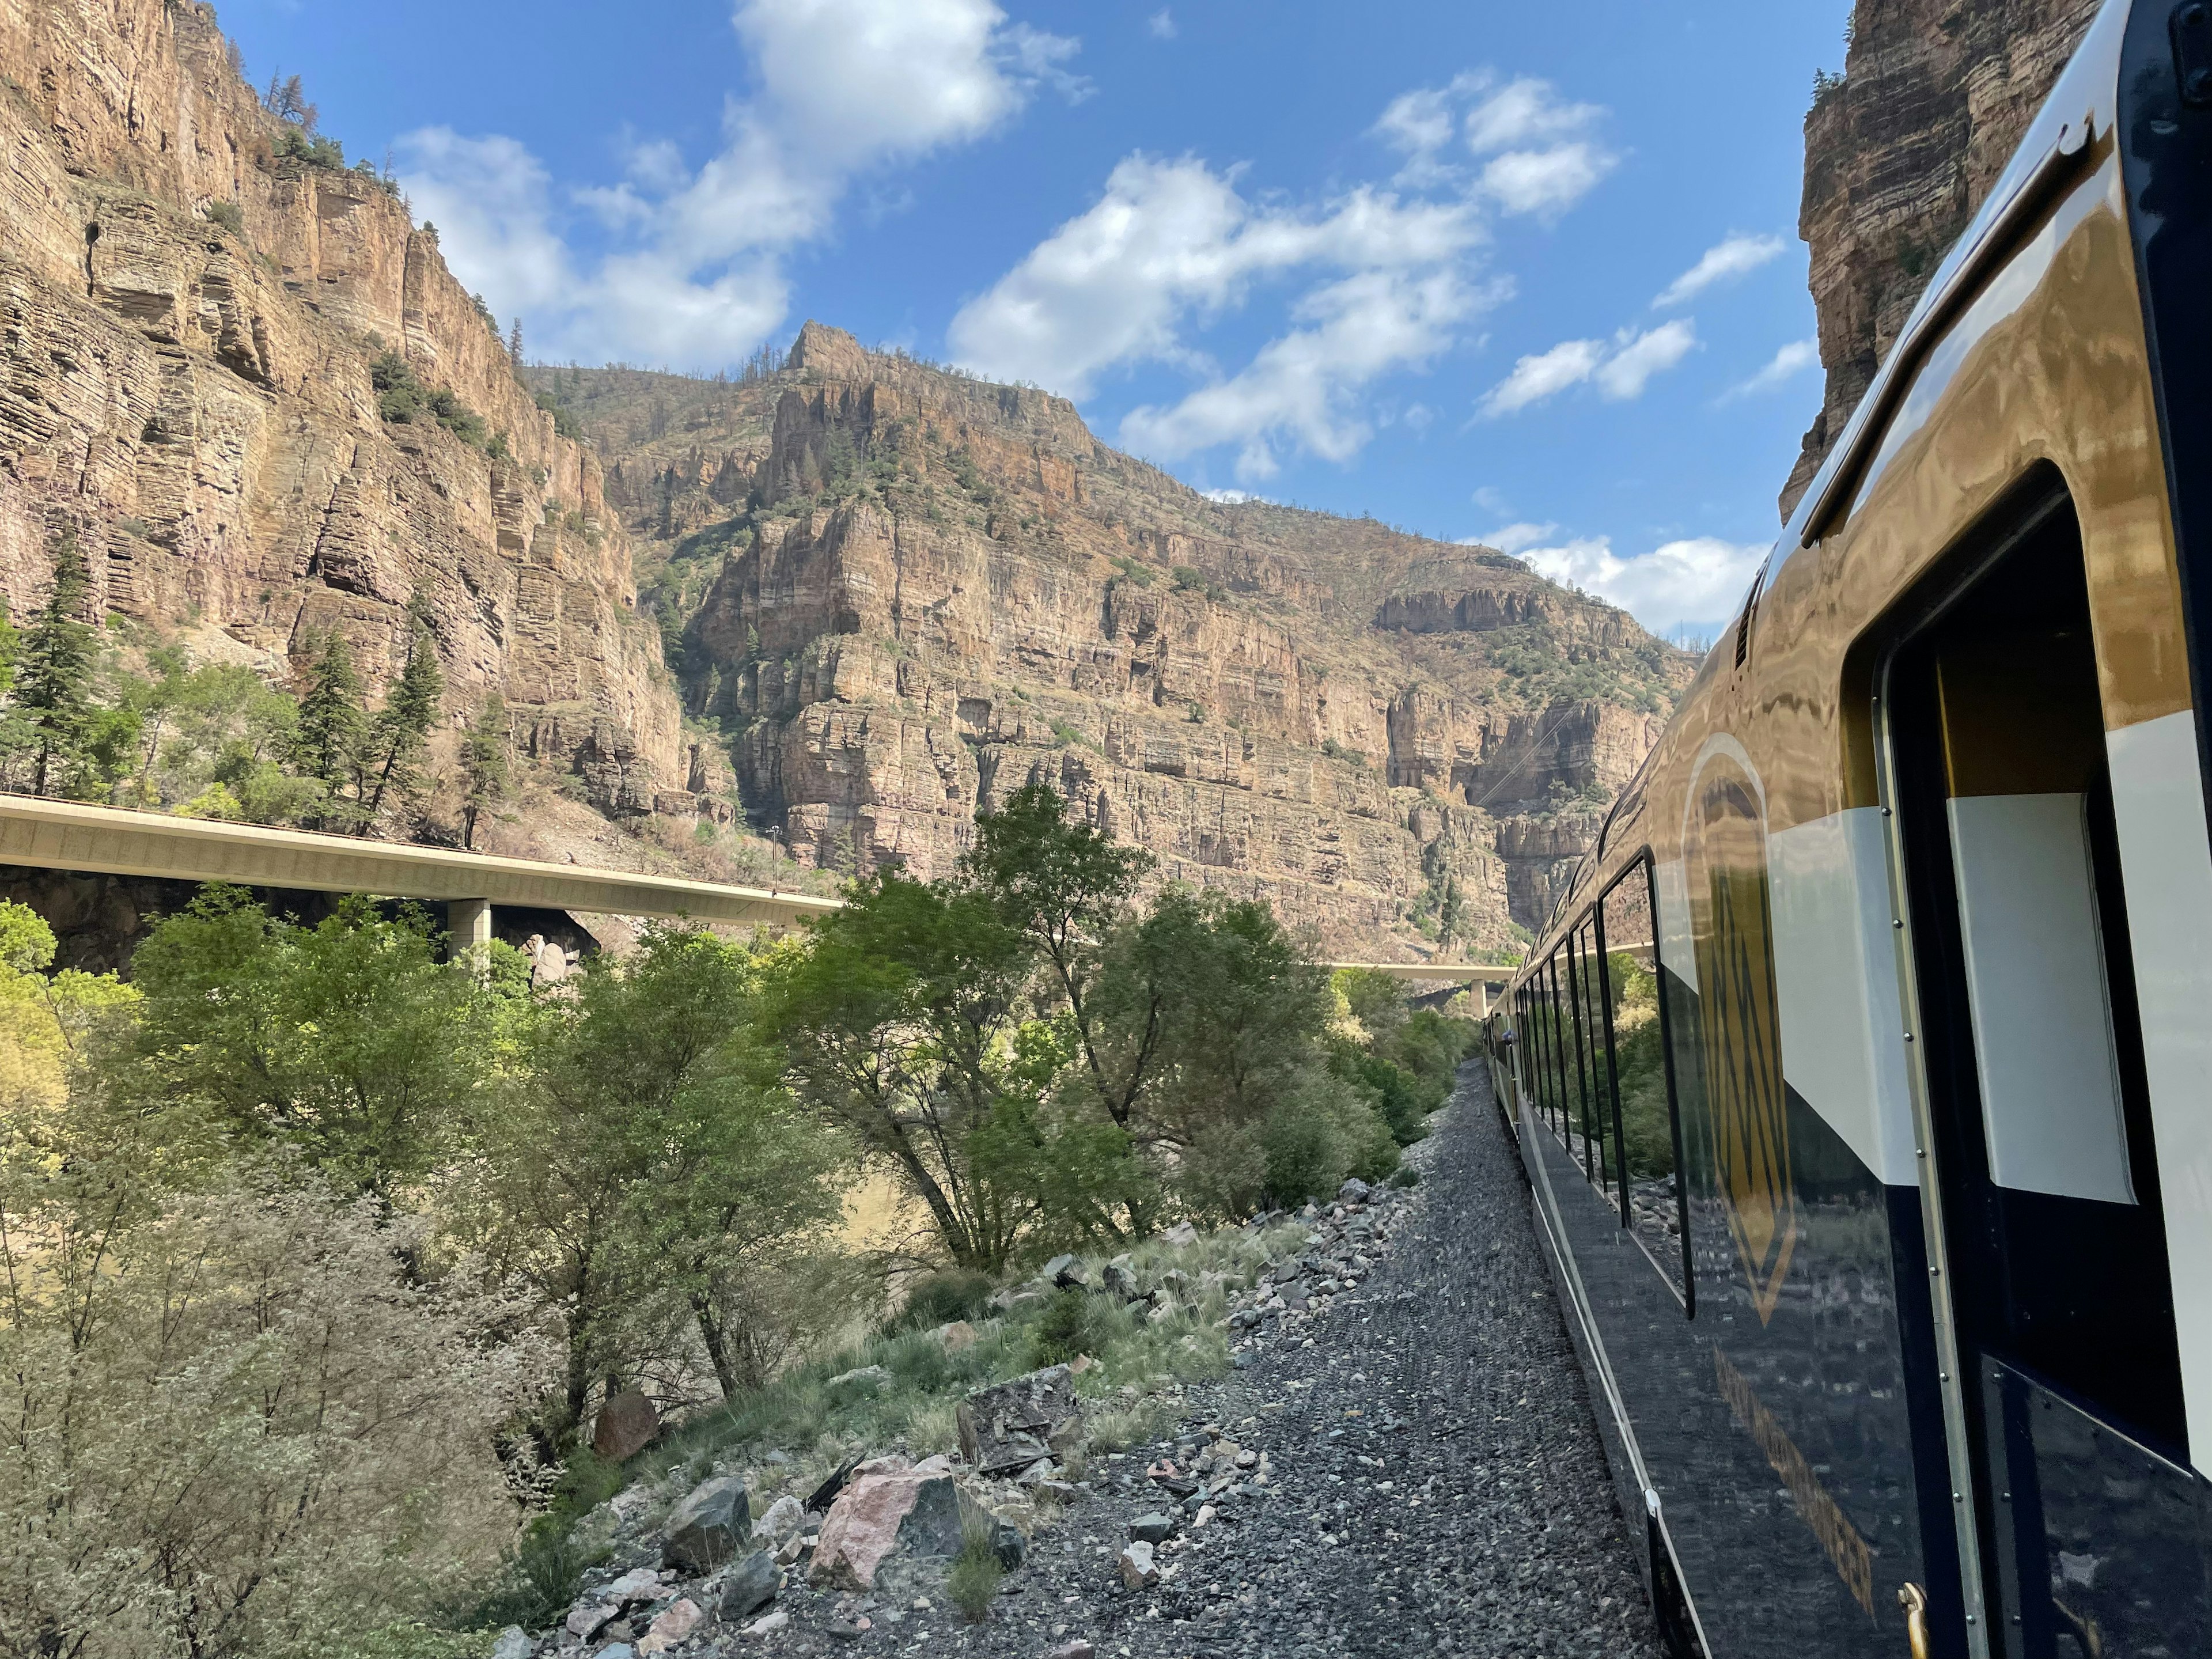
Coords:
pixel 402 730
pixel 54 666
pixel 333 731
pixel 484 766
pixel 514 345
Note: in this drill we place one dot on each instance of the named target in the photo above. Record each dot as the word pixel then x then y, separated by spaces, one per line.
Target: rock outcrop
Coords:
pixel 903 592
pixel 1900 152
pixel 192 295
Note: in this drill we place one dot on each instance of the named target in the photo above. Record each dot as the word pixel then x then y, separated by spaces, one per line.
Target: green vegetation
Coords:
pixel 1540 669
pixel 1190 580
pixel 87 716
pixel 401 398
pixel 229 214
pixel 1646 1126
pixel 566 422
pixel 977 1573
pixel 297 1170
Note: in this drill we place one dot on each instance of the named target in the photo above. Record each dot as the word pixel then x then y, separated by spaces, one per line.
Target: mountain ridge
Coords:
pixel 900 592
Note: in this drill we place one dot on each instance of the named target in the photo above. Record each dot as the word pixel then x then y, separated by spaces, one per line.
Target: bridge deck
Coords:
pixel 109 841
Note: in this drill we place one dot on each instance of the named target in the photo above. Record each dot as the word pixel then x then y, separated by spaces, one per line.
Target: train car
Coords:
pixel 1864 1075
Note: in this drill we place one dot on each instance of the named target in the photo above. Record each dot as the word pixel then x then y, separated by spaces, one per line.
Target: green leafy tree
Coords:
pixel 347 1043
pixel 399 737
pixel 53 676
pixel 643 1156
pixel 1067 885
pixel 484 766
pixel 329 741
pixel 896 1019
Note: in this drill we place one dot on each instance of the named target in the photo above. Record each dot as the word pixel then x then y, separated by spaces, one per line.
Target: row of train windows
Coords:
pixel 1593 1064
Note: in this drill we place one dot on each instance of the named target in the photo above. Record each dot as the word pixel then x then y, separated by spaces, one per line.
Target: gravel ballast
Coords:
pixel 1434 1479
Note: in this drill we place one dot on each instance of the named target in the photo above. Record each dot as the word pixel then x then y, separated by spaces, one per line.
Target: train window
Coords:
pixel 1595 1098
pixel 2033 1046
pixel 2044 1154
pixel 1643 1097
pixel 1724 1023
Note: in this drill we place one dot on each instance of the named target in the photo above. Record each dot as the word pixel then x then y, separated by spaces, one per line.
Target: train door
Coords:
pixel 2058 1378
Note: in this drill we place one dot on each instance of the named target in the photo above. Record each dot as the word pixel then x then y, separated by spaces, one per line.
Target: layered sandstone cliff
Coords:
pixel 1899 154
pixel 902 593
pixel 189 308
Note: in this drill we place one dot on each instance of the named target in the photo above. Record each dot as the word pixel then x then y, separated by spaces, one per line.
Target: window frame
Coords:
pixel 1642 862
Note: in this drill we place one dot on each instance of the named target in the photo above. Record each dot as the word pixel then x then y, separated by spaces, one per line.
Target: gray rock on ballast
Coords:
pixel 1006 1428
pixel 1118 1279
pixel 513 1642
pixel 1354 1191
pixel 785 1516
pixel 1153 1529
pixel 709 1527
pixel 749 1586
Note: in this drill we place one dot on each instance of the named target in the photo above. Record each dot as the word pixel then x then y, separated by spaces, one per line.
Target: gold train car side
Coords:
pixel 1881 1201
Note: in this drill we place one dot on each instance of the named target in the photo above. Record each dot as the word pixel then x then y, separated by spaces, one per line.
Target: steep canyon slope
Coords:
pixel 192 294
pixel 1900 151
pixel 900 593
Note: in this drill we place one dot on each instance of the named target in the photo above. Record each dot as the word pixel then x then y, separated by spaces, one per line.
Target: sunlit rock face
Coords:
pixel 188 316
pixel 903 592
pixel 1899 157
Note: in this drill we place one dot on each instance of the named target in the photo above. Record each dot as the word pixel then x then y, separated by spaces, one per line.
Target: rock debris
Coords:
pixel 1403 1461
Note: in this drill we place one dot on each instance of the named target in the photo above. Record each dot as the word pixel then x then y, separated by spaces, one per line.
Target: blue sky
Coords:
pixel 1525 274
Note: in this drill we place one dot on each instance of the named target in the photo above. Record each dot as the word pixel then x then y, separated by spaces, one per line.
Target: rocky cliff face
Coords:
pixel 1900 154
pixel 189 307
pixel 903 592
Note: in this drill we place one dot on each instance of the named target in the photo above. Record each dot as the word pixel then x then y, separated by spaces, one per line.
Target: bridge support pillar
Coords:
pixel 469 923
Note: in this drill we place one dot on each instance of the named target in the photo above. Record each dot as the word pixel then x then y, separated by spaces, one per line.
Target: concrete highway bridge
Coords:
pixel 53 834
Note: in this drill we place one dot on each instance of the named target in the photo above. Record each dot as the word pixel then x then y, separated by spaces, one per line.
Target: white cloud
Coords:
pixel 1539 158
pixel 1544 374
pixel 694 277
pixel 1630 369
pixel 1423 123
pixel 1296 387
pixel 488 198
pixel 1526 111
pixel 1786 365
pixel 1696 582
pixel 1114 285
pixel 1547 181
pixel 1622 367
pixel 1732 257
pixel 1491 499
pixel 1230 497
pixel 1162 26
pixel 1512 538
pixel 1390 274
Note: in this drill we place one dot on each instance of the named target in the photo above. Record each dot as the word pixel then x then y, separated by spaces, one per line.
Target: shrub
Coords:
pixel 248 1432
pixel 942 1297
pixel 403 399
pixel 230 216
pixel 1063 1331
pixel 541 1578
pixel 295 143
pixel 975 1573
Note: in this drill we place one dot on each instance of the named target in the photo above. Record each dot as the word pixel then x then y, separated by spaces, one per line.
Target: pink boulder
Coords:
pixel 890 1507
pixel 626 1427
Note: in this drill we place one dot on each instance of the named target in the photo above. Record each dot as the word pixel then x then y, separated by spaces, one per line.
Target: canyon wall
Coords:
pixel 902 593
pixel 191 300
pixel 1899 154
